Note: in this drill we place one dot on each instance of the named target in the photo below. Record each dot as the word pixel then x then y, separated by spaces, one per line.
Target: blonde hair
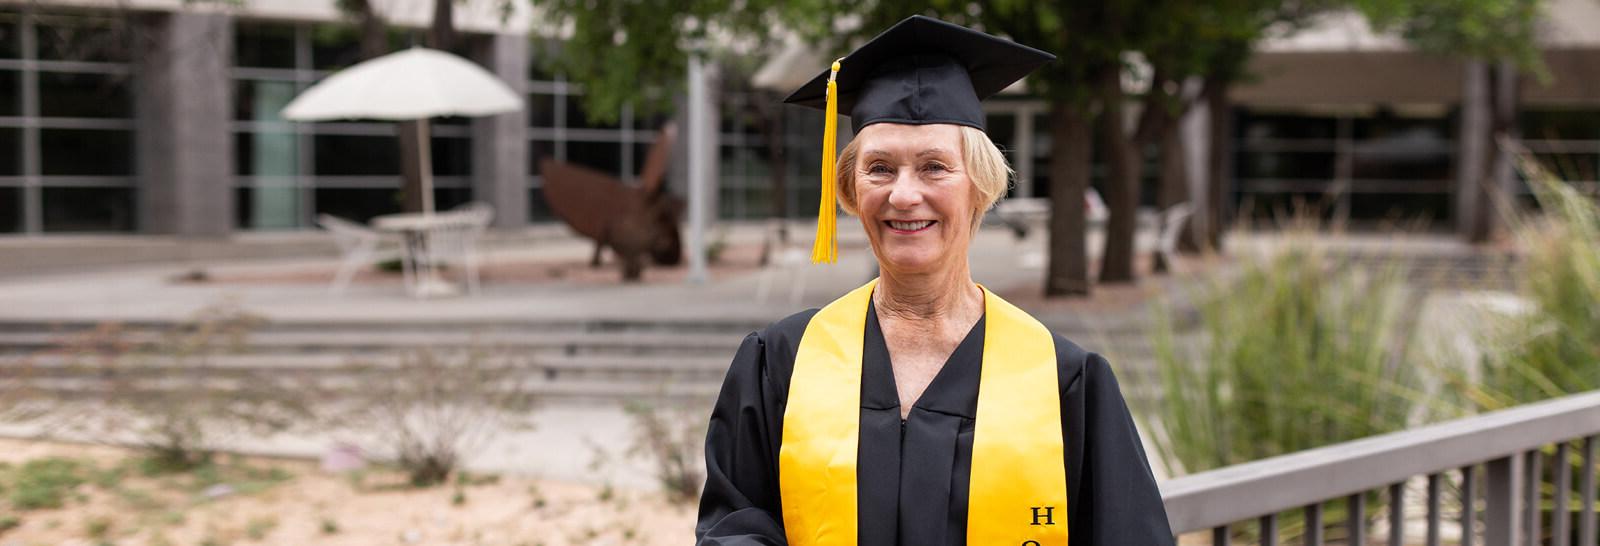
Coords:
pixel 985 165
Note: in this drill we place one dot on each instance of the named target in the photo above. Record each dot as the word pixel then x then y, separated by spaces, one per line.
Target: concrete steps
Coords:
pixel 594 360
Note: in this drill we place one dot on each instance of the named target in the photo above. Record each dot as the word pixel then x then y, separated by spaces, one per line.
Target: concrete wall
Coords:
pixel 183 103
pixel 500 143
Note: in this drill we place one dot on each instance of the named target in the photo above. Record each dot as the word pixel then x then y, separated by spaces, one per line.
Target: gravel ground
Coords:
pixel 251 500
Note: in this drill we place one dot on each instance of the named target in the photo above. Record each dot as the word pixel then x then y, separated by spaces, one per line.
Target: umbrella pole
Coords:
pixel 425 167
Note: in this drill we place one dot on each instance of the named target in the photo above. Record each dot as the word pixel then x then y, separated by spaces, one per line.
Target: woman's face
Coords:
pixel 914 195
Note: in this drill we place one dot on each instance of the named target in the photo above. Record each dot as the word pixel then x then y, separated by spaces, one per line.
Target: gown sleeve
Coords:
pixel 1119 503
pixel 740 503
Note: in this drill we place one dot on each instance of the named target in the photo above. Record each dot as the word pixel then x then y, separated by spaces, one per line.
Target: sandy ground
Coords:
pixel 293 502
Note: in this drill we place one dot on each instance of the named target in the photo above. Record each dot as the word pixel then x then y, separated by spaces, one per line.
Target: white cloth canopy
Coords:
pixel 414 84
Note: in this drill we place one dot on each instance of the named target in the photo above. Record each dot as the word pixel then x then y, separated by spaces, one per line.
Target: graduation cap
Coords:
pixel 921 71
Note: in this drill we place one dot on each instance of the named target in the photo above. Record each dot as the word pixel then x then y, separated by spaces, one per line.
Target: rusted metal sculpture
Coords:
pixel 634 221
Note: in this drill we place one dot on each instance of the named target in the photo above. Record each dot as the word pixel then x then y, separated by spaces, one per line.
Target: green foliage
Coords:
pixel 616 44
pixel 1487 30
pixel 1296 353
pixel 9 522
pixel 1553 349
pixel 45 483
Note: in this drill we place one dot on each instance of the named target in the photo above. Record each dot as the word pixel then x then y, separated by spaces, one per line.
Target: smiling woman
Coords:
pixel 921 409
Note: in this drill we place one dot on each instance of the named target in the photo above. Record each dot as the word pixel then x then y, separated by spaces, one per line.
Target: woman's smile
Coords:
pixel 907 227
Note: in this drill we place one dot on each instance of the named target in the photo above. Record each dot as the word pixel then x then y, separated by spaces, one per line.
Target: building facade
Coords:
pixel 152 117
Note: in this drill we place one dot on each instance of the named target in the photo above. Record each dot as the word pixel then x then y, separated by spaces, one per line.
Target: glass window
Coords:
pixel 538 208
pixel 356 155
pixel 603 156
pixel 265 154
pixel 1286 165
pixel 263 45
pixel 1388 127
pixel 10 152
pixel 641 151
pixel 268 207
pixel 757 202
pixel 86 152
pixel 1002 128
pixel 64 95
pixel 88 209
pixel 650 122
pixel 449 198
pixel 452 156
pixel 538 150
pixel 1571 167
pixel 262 100
pixel 541 110
pixel 728 201
pixel 1253 126
pixel 1560 124
pixel 10 209
pixel 335 46
pixel 578 118
pixel 10 35
pixel 73 38
pixel 1398 163
pixel 1402 208
pixel 358 204
pixel 10 93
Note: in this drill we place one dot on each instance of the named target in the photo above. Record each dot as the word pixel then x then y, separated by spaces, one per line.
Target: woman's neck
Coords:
pixel 940 296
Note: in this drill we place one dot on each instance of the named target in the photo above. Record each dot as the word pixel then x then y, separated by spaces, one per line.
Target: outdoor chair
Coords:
pixel 454 240
pixel 1171 226
pixel 791 258
pixel 357 245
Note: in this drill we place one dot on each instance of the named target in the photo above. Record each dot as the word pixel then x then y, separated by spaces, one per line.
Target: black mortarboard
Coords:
pixel 922 71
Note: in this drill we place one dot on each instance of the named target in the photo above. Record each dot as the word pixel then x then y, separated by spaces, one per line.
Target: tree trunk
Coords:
pixel 1070 140
pixel 1174 186
pixel 1219 174
pixel 1122 184
pixel 1496 177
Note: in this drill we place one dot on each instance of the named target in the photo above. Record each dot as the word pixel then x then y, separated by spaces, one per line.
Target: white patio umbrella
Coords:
pixel 414 84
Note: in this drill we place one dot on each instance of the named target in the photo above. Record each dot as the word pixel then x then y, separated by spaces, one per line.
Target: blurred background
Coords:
pixel 1364 228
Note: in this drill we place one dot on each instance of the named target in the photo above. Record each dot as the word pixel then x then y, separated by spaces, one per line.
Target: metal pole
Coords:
pixel 699 157
pixel 425 168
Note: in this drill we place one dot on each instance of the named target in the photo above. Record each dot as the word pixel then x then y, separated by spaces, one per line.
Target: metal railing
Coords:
pixel 1511 446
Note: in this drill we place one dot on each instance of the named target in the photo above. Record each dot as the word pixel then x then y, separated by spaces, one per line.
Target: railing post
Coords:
pixel 1314 525
pixel 1469 505
pixel 1356 519
pixel 1503 492
pixel 1586 519
pixel 1561 516
pixel 1397 514
pixel 1531 522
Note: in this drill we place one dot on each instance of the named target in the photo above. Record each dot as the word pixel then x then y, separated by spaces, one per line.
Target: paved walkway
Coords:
pixel 566 437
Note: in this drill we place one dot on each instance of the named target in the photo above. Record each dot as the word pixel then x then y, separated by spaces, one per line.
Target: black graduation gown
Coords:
pixel 912 475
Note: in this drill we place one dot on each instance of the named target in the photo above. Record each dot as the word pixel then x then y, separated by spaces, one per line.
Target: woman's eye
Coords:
pixel 935 167
pixel 878 168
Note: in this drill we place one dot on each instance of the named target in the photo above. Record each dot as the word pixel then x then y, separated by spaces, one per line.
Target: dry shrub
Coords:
pixel 162 391
pixel 431 408
pixel 669 436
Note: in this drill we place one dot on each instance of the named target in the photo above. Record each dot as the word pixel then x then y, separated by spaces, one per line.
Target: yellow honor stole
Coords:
pixel 1017 495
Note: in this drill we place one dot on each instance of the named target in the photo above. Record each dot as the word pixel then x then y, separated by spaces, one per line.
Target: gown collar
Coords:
pixel 954 390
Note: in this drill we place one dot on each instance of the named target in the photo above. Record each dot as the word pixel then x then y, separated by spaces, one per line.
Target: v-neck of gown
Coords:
pixel 907 469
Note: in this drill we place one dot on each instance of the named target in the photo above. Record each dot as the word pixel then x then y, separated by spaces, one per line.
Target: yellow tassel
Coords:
pixel 826 248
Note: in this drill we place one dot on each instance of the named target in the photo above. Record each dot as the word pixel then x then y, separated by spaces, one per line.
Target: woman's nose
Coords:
pixel 905 194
